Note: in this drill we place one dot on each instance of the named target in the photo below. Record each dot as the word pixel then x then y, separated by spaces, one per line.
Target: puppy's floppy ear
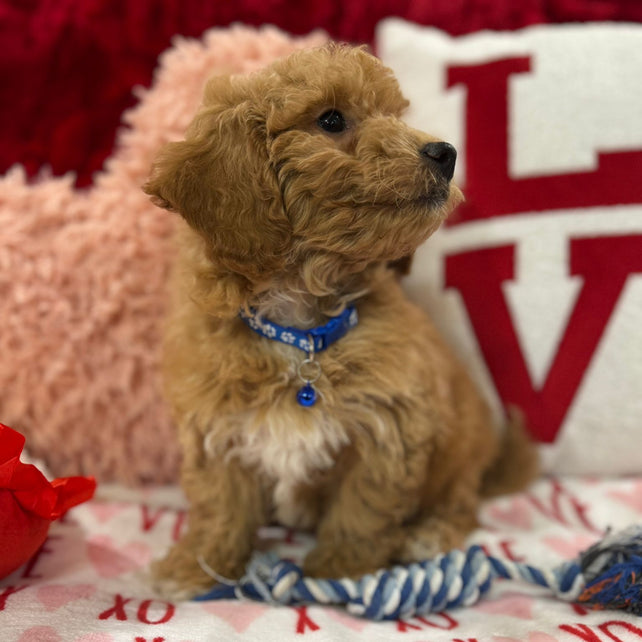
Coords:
pixel 220 180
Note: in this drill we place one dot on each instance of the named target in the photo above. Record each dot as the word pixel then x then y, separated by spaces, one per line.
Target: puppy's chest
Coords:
pixel 287 449
pixel 290 456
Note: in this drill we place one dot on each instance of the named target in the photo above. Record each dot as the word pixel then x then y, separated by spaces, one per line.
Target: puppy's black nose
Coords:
pixel 442 156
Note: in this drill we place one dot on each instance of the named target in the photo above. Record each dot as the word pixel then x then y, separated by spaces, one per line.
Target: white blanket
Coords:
pixel 88 583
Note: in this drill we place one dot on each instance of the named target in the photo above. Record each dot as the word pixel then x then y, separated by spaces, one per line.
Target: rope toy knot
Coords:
pixel 285 576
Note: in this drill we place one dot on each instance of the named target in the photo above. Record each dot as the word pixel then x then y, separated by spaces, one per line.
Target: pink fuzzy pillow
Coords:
pixel 82 278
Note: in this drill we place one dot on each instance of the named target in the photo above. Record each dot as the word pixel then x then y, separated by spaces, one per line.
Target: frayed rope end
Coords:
pixel 612 569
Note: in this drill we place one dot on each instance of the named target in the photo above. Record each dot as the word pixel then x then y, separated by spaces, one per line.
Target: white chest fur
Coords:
pixel 287 449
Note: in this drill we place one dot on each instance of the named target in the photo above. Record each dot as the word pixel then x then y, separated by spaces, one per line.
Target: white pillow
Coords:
pixel 537 279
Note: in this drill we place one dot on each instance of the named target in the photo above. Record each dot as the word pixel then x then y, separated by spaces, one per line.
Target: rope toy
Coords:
pixel 607 575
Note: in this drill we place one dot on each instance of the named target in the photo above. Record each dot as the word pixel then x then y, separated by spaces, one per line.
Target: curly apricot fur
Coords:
pixel 299 223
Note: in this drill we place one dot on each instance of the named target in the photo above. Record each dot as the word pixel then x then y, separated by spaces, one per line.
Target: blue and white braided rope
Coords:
pixel 458 578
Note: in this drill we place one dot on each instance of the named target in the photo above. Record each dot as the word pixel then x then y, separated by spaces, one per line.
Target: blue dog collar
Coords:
pixel 310 341
pixel 313 340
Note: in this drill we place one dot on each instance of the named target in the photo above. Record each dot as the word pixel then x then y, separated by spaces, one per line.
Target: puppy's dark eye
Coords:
pixel 332 121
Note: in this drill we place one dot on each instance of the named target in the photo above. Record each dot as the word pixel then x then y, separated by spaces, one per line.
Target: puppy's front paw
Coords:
pixel 430 538
pixel 348 559
pixel 180 575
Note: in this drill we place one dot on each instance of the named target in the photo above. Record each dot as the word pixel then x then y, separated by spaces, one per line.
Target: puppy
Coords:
pixel 301 189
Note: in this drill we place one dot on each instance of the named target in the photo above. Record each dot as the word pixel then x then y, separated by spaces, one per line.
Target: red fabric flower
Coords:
pixel 29 503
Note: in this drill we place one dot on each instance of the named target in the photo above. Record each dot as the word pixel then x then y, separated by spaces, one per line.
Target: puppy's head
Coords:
pixel 306 168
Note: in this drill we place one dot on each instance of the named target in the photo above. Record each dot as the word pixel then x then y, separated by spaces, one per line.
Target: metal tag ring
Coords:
pixel 313 370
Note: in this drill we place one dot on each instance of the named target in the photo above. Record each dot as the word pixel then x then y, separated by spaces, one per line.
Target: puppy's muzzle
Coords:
pixel 441 157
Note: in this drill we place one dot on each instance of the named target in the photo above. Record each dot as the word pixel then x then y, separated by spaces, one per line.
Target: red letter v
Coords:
pixel 604 265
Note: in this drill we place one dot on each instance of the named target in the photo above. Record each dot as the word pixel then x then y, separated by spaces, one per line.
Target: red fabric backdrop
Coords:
pixel 68 66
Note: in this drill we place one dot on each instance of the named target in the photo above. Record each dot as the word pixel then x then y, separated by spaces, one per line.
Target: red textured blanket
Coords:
pixel 68 67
